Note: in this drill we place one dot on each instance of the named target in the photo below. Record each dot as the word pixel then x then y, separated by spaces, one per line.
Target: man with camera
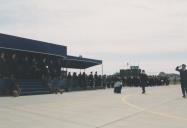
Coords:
pixel 183 76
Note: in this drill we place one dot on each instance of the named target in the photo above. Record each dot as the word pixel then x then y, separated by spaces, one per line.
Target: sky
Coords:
pixel 148 33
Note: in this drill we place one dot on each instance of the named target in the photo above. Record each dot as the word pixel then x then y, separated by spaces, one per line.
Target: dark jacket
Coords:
pixel 183 75
pixel 143 79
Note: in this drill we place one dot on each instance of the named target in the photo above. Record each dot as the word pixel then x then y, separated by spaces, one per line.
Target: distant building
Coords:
pixel 133 71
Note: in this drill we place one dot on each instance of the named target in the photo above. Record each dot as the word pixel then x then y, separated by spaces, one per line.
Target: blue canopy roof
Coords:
pixel 79 62
pixel 29 45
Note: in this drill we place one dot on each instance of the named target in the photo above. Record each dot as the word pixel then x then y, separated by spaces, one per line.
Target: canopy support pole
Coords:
pixel 102 82
pixel 102 69
pixel 66 71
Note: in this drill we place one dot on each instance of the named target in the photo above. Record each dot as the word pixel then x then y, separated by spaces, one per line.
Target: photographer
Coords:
pixel 183 75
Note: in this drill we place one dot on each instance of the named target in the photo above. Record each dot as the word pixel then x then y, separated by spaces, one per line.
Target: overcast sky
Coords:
pixel 148 33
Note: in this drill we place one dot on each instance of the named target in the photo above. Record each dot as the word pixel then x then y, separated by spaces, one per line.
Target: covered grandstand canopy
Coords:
pixel 79 62
pixel 29 45
pixel 8 42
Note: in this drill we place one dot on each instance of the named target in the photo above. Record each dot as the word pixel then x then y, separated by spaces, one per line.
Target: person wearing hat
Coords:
pixel 183 76
pixel 143 81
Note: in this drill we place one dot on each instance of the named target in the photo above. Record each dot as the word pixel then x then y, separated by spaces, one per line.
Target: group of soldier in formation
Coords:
pixel 143 80
pixel 98 81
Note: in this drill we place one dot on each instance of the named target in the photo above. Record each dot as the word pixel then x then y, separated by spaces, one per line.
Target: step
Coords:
pixel 34 93
pixel 34 89
pixel 32 85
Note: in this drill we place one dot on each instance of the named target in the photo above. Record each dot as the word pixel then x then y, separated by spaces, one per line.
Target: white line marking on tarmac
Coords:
pixel 124 99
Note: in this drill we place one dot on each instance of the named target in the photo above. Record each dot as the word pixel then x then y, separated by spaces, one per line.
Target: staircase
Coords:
pixel 33 87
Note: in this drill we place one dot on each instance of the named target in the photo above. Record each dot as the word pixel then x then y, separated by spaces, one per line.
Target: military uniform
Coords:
pixel 143 81
pixel 183 75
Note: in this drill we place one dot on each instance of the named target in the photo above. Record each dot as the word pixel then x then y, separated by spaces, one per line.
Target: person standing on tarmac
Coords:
pixel 91 80
pixel 183 76
pixel 84 80
pixel 143 81
pixel 96 79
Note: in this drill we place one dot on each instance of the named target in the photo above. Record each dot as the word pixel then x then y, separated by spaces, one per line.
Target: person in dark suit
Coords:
pixel 91 80
pixel 96 80
pixel 80 80
pixel 143 81
pixel 84 80
pixel 69 81
pixel 183 76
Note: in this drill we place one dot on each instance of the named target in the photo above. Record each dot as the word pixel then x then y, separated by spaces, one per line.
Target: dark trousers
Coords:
pixel 184 90
pixel 143 89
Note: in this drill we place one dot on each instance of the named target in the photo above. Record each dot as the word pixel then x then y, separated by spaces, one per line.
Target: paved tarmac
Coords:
pixel 160 107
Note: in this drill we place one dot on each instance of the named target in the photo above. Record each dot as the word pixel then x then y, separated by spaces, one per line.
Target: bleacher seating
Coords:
pixel 4 87
pixel 33 87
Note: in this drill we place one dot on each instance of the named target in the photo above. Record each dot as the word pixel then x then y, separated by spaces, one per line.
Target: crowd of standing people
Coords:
pixel 84 81
pixel 91 81
pixel 134 81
